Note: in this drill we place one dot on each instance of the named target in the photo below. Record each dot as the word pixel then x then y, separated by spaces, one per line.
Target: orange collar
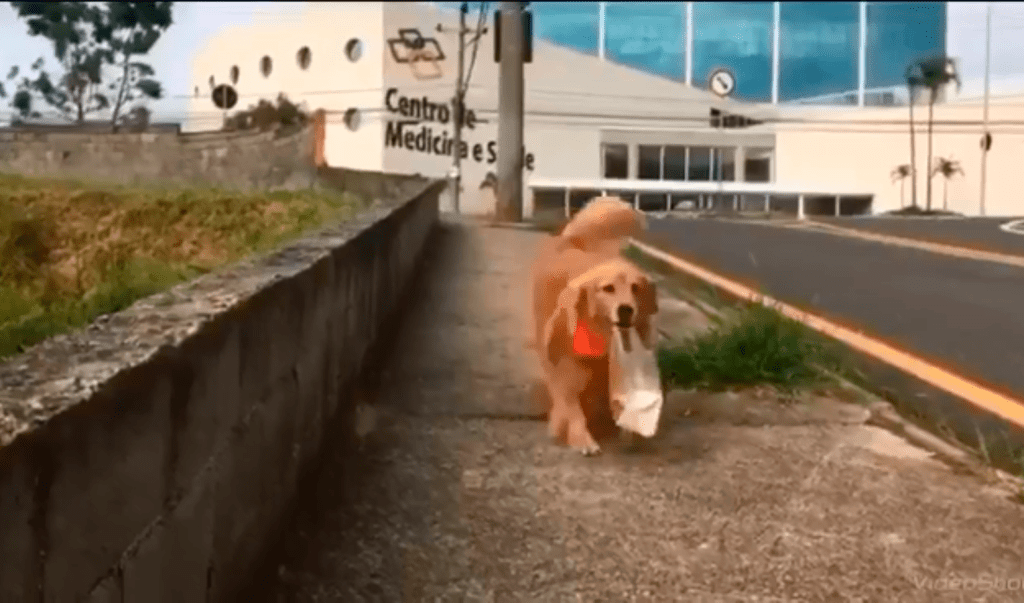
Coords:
pixel 587 341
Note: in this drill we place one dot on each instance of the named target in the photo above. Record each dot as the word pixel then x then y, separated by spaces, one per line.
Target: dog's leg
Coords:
pixel 577 434
pixel 567 419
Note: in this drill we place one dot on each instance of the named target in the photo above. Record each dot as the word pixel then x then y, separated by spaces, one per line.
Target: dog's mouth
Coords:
pixel 624 325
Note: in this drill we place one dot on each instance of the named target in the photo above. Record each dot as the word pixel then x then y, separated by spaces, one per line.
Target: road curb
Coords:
pixel 885 415
pixel 941 248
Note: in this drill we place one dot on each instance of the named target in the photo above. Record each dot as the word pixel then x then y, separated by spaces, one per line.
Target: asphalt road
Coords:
pixel 965 315
pixel 974 233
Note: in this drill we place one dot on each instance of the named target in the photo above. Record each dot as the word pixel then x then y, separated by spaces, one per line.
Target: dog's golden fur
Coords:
pixel 579 275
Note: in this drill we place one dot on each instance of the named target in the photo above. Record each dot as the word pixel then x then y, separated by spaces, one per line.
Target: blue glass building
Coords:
pixel 825 52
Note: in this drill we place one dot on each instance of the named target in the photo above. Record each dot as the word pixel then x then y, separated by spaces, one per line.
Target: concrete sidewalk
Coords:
pixel 458 495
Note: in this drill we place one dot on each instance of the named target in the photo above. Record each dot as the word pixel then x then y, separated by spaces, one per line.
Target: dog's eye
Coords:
pixel 635 288
pixel 609 288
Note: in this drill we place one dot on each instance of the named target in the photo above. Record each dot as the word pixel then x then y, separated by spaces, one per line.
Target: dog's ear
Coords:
pixel 647 307
pixel 586 301
pixel 647 297
pixel 567 310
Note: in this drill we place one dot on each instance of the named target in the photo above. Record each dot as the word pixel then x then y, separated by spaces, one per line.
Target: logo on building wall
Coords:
pixel 423 55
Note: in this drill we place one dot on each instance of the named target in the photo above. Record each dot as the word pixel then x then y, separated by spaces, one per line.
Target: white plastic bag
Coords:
pixel 635 383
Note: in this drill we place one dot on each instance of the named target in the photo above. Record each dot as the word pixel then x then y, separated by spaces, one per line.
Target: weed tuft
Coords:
pixel 757 346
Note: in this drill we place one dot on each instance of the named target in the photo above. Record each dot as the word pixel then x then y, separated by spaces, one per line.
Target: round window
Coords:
pixel 354 49
pixel 304 57
pixel 352 118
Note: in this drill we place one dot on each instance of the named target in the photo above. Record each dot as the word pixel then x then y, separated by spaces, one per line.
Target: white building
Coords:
pixel 589 122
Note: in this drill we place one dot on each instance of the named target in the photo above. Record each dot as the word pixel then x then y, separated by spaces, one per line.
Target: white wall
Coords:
pixel 331 81
pixel 862 155
pixel 569 96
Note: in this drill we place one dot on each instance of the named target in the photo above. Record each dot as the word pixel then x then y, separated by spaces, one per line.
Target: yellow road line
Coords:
pixel 1008 408
pixel 950 250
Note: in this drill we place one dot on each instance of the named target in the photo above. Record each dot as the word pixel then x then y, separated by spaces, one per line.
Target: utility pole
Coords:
pixel 984 133
pixel 459 108
pixel 510 114
pixel 459 101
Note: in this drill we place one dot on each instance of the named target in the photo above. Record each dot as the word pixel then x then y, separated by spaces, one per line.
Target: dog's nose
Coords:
pixel 625 313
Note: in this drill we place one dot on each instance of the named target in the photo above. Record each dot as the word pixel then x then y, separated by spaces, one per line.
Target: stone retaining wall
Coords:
pixel 151 456
pixel 238 160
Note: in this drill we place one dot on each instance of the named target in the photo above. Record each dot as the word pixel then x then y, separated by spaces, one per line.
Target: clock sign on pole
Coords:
pixel 722 82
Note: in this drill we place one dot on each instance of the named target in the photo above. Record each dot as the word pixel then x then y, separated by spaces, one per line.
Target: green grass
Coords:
pixel 755 346
pixel 71 251
pixel 749 345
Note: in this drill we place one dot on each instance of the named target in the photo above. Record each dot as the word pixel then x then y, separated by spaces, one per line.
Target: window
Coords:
pixel 647 35
pixel 579 198
pixel 725 164
pixel 900 33
pixel 649 163
pixel 234 74
pixel 266 66
pixel 652 202
pixel 757 166
pixel 818 48
pixel 674 163
pixel 616 161
pixel 699 168
pixel 737 35
pixel 571 24
pixel 352 118
pixel 304 57
pixel 353 49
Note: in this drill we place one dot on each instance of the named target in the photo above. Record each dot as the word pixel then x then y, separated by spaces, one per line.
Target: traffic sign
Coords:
pixel 722 82
pixel 224 96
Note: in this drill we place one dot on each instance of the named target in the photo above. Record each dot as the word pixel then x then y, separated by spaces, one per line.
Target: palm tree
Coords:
pixel 911 84
pixel 934 74
pixel 947 168
pixel 900 174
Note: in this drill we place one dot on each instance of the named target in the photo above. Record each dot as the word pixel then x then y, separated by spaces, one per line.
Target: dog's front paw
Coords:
pixel 581 441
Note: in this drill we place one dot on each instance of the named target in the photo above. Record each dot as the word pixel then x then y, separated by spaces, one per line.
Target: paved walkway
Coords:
pixel 459 496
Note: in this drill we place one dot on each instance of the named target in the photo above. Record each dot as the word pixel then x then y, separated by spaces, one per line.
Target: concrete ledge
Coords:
pixel 151 456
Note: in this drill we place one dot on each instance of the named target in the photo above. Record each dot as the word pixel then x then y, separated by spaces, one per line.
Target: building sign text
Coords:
pixel 417 134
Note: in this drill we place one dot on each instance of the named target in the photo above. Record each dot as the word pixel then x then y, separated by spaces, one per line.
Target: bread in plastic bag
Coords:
pixel 635 383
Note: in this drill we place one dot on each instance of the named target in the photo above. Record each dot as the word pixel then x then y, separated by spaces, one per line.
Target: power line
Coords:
pixel 586 118
pixel 376 115
pixel 476 43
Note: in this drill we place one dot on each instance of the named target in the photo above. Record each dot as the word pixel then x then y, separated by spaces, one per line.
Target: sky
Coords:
pixel 196 22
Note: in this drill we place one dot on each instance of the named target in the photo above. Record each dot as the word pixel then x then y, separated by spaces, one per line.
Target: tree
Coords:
pixel 947 168
pixel 933 74
pixel 900 174
pixel 913 151
pixel 89 39
pixel 267 116
pixel 136 120
pixel 131 30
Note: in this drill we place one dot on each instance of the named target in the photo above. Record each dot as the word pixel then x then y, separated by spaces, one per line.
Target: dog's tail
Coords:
pixel 602 221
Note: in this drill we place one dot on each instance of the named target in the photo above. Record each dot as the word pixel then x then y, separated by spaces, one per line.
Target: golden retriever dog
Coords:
pixel 580 279
pixel 597 232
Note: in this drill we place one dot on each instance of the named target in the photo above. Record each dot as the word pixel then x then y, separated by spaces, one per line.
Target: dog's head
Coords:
pixel 612 294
